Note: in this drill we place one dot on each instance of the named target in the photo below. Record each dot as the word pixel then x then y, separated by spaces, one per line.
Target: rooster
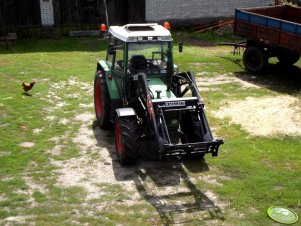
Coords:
pixel 28 86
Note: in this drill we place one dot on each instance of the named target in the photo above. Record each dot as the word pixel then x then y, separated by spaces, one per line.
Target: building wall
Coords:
pixel 160 10
pixel 47 12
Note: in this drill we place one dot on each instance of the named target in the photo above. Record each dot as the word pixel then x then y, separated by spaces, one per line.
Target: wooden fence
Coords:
pixel 85 14
pixel 20 13
pixel 92 12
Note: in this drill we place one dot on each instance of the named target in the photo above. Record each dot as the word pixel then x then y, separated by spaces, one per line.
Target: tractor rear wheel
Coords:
pixel 126 139
pixel 255 59
pixel 101 101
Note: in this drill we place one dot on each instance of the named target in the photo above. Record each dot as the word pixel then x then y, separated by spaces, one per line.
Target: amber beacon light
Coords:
pixel 166 25
pixel 103 28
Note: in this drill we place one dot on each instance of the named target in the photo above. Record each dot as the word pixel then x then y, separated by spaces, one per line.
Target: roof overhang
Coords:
pixel 140 32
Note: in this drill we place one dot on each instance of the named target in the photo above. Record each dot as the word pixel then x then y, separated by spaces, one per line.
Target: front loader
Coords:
pixel 139 90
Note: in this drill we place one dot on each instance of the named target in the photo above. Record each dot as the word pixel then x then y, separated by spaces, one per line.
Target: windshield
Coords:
pixel 149 57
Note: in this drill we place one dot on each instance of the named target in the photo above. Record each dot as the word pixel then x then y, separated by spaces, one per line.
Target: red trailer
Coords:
pixel 270 32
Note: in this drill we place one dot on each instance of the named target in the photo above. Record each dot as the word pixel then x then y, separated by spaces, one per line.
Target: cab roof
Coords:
pixel 140 32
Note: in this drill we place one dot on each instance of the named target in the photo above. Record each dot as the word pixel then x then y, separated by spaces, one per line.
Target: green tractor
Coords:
pixel 139 90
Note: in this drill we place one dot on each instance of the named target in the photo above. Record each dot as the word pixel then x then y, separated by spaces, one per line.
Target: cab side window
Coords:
pixel 110 57
pixel 118 65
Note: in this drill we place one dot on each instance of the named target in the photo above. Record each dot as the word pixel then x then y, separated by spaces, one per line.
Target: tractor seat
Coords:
pixel 138 63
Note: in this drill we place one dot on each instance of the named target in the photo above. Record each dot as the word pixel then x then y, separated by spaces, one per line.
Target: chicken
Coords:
pixel 28 86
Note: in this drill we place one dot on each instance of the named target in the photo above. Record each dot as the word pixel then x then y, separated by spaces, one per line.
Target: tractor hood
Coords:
pixel 158 89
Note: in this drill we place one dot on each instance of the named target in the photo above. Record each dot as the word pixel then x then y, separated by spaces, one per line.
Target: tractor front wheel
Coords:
pixel 101 101
pixel 126 139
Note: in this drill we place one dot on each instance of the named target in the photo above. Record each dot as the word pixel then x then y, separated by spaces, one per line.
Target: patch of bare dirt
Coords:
pixel 28 193
pixel 56 150
pixel 34 186
pixel 64 121
pixel 210 179
pixel 27 144
pixel 220 80
pixel 37 130
pixel 60 105
pixel 87 105
pixel 93 166
pixel 52 95
pixel 4 153
pixel 60 139
pixel 85 117
pixel 55 96
pixel 17 220
pixel 268 116
pixel 278 188
pixel 2 197
pixel 50 117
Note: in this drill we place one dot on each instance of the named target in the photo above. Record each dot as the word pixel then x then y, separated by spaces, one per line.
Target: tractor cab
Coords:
pixel 140 48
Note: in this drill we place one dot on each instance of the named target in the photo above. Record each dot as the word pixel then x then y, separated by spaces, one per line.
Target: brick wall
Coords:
pixel 160 10
pixel 47 12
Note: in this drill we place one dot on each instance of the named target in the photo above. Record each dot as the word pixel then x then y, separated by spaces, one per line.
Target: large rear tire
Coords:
pixel 102 101
pixel 126 139
pixel 255 59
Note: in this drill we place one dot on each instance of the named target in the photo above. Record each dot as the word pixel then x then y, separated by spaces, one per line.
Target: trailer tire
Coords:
pixel 288 58
pixel 102 102
pixel 126 139
pixel 255 59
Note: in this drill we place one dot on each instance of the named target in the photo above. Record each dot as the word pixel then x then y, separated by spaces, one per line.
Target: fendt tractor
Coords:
pixel 140 91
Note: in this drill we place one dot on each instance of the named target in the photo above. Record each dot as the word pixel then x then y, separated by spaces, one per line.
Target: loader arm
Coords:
pixel 144 96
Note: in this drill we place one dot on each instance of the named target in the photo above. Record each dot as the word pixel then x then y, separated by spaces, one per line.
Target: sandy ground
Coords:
pixel 268 116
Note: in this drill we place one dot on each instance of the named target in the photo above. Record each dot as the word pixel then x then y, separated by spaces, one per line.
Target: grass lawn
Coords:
pixel 58 168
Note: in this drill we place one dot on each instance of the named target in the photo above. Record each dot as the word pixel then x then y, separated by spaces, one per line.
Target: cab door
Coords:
pixel 119 66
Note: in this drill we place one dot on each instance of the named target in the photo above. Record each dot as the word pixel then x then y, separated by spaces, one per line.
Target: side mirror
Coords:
pixel 111 49
pixel 180 47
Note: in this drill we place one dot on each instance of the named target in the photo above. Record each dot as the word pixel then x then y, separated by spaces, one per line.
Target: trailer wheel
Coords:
pixel 288 58
pixel 126 139
pixel 102 102
pixel 255 59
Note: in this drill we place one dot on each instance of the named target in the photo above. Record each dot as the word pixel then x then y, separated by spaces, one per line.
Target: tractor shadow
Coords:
pixel 165 185
pixel 169 189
